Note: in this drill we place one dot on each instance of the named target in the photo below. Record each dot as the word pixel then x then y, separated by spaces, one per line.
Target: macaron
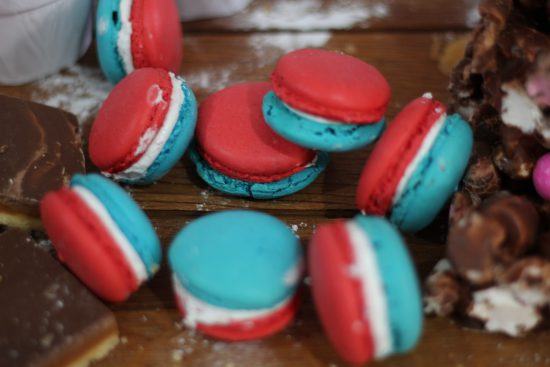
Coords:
pixel 236 274
pixel 365 288
pixel 326 100
pixel 416 165
pixel 237 153
pixel 134 34
pixel 143 127
pixel 102 235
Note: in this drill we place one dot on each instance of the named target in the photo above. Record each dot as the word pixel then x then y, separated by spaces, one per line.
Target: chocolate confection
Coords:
pixel 40 149
pixel 48 318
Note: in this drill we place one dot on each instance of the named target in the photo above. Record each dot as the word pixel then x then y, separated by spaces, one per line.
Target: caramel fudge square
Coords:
pixel 40 149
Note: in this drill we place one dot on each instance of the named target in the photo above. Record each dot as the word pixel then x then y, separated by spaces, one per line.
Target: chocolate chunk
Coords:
pixel 484 240
pixel 462 204
pixel 518 153
pixel 482 178
pixel 529 279
pixel 48 318
pixel 40 149
pixel 445 293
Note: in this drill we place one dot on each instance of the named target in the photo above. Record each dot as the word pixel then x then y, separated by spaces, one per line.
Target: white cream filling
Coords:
pixel 132 257
pixel 124 40
pixel 152 142
pixel 365 269
pixel 425 147
pixel 318 119
pixel 200 312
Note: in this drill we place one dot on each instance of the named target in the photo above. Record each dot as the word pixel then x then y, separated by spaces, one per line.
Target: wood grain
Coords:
pixel 408 45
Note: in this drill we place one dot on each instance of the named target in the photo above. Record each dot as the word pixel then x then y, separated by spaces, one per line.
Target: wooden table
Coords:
pixel 408 40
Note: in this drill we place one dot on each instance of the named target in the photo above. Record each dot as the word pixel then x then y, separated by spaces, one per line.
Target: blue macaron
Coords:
pixel 315 132
pixel 236 274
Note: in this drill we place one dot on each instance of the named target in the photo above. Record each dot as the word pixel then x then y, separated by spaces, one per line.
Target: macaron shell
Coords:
pixel 316 135
pixel 137 104
pixel 393 153
pixel 156 34
pixel 331 85
pixel 236 259
pixel 233 137
pixel 256 190
pixel 107 28
pixel 337 296
pixel 179 140
pixel 129 217
pixel 85 246
pixel 401 285
pixel 251 329
pixel 436 177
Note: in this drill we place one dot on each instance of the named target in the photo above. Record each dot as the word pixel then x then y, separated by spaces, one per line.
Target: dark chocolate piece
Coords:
pixel 48 318
pixel 40 149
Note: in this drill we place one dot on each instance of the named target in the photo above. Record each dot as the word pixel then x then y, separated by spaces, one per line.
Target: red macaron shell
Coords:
pixel 393 153
pixel 234 138
pixel 337 295
pixel 253 328
pixel 331 85
pixel 156 34
pixel 137 104
pixel 84 244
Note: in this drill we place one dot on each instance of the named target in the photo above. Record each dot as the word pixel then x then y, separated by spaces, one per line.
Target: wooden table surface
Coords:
pixel 412 43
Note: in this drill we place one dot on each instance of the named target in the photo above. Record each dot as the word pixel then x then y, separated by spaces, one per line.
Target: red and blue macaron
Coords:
pixel 236 274
pixel 326 100
pixel 416 165
pixel 133 34
pixel 236 152
pixel 365 288
pixel 144 126
pixel 102 235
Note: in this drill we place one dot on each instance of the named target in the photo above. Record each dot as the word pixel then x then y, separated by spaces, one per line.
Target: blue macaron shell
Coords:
pixel 237 259
pixel 315 135
pixel 267 190
pixel 179 140
pixel 400 281
pixel 129 217
pixel 107 28
pixel 436 177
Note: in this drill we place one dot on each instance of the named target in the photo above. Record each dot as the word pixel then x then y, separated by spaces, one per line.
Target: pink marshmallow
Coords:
pixel 541 176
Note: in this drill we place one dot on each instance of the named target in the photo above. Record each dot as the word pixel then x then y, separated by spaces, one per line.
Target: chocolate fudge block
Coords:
pixel 40 149
pixel 47 317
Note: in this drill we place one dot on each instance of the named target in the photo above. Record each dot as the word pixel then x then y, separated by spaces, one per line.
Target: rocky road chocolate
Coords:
pixel 40 149
pixel 47 317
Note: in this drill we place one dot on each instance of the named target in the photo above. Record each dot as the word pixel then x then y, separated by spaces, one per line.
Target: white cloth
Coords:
pixel 195 9
pixel 39 37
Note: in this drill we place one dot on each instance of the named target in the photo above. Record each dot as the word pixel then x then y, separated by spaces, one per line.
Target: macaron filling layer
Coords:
pixel 423 151
pixel 199 312
pixel 365 270
pixel 152 142
pixel 315 118
pixel 124 37
pixel 132 258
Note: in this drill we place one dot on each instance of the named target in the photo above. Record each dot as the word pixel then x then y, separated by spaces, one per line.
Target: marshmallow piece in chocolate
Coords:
pixel 445 294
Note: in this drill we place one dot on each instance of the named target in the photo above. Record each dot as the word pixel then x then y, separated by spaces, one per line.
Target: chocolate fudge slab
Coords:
pixel 47 317
pixel 40 149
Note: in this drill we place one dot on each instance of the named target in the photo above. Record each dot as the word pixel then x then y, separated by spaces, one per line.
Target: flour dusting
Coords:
pixel 78 89
pixel 313 14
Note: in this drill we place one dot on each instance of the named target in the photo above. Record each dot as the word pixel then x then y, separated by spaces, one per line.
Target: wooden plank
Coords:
pixel 372 15
pixel 156 338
